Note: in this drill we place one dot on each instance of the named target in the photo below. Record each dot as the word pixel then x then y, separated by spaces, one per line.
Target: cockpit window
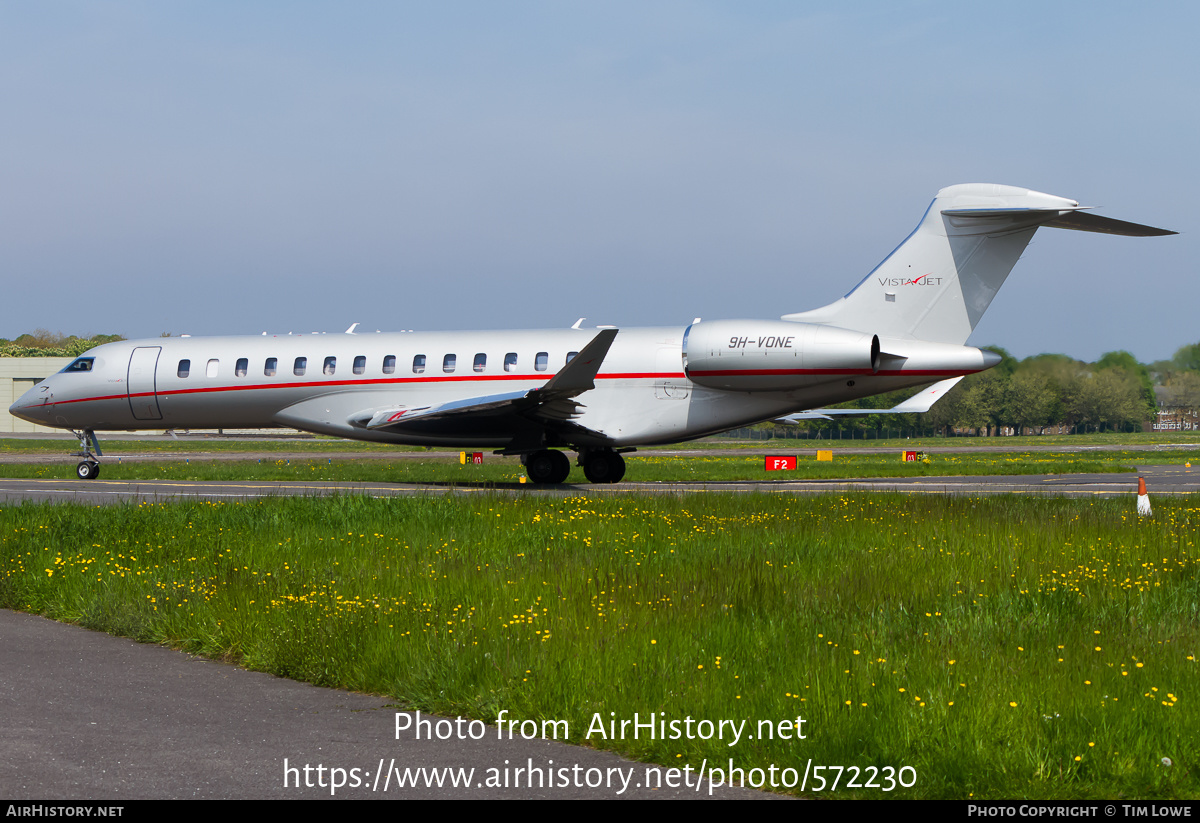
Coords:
pixel 80 364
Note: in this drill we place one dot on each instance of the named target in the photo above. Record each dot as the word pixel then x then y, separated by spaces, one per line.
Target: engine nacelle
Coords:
pixel 773 355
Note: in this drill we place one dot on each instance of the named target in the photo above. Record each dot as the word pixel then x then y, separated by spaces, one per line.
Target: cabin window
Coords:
pixel 330 365
pixel 243 365
pixel 510 361
pixel 185 368
pixel 541 361
pixel 270 367
pixel 211 371
pixel 449 362
pixel 300 366
pixel 571 356
pixel 80 364
pixel 419 364
pixel 480 362
pixel 360 364
pixel 389 363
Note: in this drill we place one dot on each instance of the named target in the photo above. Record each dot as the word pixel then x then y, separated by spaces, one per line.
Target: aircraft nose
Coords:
pixel 26 404
pixel 16 410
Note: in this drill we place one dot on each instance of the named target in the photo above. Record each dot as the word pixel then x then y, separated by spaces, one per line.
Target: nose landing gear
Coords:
pixel 89 467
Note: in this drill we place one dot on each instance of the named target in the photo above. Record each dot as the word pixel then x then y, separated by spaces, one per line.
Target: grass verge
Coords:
pixel 999 647
pixel 647 467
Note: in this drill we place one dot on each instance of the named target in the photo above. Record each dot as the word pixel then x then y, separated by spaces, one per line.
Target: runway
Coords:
pixel 1171 480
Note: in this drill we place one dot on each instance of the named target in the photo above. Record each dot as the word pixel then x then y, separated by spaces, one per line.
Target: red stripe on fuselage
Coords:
pixel 387 381
pixel 392 381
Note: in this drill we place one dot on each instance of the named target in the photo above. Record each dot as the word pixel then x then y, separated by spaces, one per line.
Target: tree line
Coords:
pixel 1116 393
pixel 43 343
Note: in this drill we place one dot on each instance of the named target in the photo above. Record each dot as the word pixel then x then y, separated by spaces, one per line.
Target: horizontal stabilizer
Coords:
pixel 1076 218
pixel 919 403
pixel 1085 221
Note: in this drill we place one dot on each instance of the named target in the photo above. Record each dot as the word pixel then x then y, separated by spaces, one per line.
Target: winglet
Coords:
pixel 579 375
pixel 923 401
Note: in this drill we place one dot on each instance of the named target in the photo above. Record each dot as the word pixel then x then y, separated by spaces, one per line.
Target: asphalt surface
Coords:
pixel 87 716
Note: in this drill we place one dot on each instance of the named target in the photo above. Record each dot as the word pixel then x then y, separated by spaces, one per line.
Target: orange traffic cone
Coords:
pixel 1143 499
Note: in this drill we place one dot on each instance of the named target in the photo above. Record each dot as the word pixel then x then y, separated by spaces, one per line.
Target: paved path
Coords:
pixel 86 716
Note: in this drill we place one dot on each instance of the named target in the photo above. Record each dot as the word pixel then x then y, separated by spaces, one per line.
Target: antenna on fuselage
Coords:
pixel 350 330
pixel 579 323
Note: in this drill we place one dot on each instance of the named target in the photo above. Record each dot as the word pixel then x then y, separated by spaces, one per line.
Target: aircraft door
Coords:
pixel 143 401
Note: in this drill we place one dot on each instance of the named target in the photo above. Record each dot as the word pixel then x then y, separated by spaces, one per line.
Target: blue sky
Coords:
pixel 225 168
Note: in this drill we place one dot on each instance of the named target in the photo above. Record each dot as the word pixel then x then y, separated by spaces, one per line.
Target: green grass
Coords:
pixel 642 467
pixel 1001 647
pixel 167 445
pixel 319 445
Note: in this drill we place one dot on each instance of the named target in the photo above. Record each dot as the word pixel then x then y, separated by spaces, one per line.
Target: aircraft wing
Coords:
pixel 920 402
pixel 398 416
pixel 551 402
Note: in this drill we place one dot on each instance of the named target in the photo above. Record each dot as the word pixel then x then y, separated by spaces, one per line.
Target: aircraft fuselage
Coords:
pixel 317 382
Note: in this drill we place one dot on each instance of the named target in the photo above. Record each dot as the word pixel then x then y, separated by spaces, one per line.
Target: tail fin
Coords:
pixel 937 284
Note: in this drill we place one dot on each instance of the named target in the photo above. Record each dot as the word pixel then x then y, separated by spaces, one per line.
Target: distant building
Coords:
pixel 1170 415
pixel 17 376
pixel 1012 431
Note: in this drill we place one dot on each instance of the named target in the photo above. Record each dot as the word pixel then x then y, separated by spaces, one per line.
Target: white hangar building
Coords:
pixel 17 376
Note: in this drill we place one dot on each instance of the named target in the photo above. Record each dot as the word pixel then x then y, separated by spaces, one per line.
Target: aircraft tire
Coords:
pixel 87 470
pixel 548 467
pixel 604 467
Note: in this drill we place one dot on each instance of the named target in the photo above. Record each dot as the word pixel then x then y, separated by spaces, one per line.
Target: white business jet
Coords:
pixel 595 391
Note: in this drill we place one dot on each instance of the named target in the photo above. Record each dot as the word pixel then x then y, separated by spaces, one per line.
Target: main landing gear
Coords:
pixel 547 466
pixel 603 466
pixel 551 467
pixel 89 466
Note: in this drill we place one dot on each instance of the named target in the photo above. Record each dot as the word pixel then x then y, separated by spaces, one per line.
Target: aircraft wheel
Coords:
pixel 604 467
pixel 548 466
pixel 87 470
